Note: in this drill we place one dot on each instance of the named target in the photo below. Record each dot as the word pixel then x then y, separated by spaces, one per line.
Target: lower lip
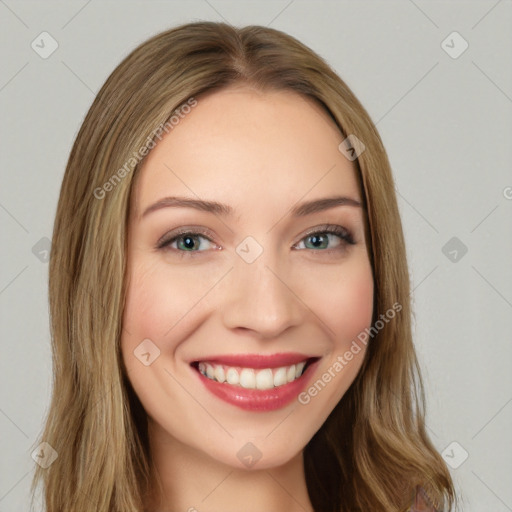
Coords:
pixel 258 399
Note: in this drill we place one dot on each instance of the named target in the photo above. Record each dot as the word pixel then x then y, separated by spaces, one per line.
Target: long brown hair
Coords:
pixel 373 450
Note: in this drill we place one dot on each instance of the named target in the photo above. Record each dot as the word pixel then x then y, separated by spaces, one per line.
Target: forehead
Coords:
pixel 249 149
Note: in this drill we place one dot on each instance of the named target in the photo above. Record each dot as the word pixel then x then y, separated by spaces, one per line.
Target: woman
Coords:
pixel 229 293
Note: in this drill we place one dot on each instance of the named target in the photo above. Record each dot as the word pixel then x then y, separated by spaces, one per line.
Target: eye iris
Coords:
pixel 188 241
pixel 318 239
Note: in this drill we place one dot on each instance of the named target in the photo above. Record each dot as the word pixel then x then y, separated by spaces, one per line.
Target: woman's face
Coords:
pixel 259 294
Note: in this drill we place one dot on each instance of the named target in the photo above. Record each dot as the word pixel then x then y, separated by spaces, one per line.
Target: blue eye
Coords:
pixel 321 237
pixel 189 242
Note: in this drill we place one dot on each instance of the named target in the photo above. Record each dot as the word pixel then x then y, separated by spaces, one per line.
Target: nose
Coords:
pixel 260 297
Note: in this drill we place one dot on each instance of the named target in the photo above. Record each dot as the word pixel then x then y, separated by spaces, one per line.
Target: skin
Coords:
pixel 262 154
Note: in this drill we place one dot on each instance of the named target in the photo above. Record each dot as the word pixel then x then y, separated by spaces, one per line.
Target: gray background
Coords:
pixel 446 125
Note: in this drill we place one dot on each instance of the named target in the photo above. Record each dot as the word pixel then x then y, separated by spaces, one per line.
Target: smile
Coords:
pixel 252 378
pixel 256 382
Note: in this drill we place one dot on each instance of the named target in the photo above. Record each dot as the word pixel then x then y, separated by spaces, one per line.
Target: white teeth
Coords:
pixel 250 378
pixel 210 372
pixel 290 373
pixel 265 379
pixel 298 369
pixel 247 378
pixel 280 377
pixel 219 373
pixel 232 376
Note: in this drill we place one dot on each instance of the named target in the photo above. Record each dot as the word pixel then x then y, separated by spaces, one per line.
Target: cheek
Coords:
pixel 345 301
pixel 158 300
pixel 356 305
pixel 146 299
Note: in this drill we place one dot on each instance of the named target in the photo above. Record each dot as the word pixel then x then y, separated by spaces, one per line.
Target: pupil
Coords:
pixel 316 240
pixel 189 242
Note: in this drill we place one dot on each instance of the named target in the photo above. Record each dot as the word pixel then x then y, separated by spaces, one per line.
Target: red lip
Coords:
pixel 257 399
pixel 258 361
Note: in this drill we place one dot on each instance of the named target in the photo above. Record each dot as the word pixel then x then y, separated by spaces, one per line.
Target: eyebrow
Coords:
pixel 301 210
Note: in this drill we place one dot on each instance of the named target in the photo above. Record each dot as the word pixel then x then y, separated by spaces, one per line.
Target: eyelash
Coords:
pixel 332 229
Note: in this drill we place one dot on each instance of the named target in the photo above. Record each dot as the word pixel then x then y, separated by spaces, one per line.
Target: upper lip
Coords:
pixel 257 360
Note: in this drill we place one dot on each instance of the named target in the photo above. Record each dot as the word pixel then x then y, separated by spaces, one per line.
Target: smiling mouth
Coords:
pixel 253 378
